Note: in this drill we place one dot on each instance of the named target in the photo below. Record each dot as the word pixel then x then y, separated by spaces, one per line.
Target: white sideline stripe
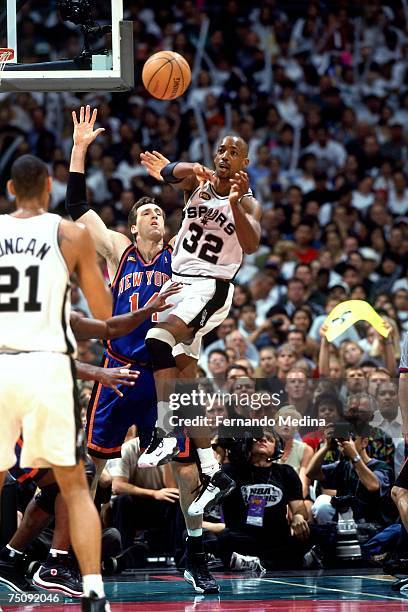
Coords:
pixel 316 587
pixel 381 578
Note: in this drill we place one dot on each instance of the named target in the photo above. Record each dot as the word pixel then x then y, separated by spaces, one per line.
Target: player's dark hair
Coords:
pixel 29 174
pixel 141 202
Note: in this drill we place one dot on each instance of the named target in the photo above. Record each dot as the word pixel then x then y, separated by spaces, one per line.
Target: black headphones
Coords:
pixel 279 444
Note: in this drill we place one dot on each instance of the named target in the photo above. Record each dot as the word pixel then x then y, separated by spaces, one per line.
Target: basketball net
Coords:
pixel 5 56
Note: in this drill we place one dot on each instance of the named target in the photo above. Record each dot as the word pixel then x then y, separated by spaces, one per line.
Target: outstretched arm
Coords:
pixel 247 213
pixel 324 354
pixel 183 175
pixel 115 327
pixel 110 245
pixel 388 349
pixel 109 377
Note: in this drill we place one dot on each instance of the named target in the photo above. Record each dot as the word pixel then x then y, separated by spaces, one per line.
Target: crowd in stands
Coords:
pixel 319 91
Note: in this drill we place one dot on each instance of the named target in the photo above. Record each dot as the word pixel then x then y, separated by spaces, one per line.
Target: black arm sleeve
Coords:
pixel 75 203
pixel 167 173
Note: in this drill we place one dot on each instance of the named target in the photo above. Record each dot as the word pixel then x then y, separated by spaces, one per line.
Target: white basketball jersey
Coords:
pixel 35 300
pixel 207 243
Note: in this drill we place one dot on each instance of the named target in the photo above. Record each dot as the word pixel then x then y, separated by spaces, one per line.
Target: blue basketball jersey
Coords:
pixel 135 285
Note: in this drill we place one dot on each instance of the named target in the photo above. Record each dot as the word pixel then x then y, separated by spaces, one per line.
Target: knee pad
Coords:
pixel 160 345
pixel 45 499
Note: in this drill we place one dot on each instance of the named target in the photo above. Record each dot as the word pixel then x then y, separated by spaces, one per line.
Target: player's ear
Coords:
pixel 133 230
pixel 246 162
pixel 49 184
pixel 10 187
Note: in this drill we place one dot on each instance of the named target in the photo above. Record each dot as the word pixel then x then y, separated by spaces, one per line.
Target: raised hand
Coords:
pixel 84 133
pixel 113 377
pixel 239 187
pixel 323 331
pixel 203 174
pixel 154 162
pixel 387 328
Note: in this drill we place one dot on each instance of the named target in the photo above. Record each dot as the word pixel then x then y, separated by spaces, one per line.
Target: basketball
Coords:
pixel 166 75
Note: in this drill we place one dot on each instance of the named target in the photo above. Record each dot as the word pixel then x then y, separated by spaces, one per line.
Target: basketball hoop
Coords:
pixel 5 56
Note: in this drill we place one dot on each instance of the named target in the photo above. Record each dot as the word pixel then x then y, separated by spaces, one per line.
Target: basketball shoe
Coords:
pixel 211 490
pixel 162 449
pixel 198 575
pixel 246 563
pixel 59 573
pixel 13 568
pixel 93 603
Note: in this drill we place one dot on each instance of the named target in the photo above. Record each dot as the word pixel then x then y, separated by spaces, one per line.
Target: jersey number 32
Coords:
pixel 209 249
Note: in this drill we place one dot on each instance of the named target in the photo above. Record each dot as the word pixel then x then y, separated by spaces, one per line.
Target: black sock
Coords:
pixel 194 545
pixel 402 545
pixel 6 553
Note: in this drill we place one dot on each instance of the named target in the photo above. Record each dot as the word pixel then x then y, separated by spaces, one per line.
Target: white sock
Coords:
pixel 195 533
pixel 163 415
pixel 54 552
pixel 14 550
pixel 209 464
pixel 93 582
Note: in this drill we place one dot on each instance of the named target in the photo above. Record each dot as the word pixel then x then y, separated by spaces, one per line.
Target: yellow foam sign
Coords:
pixel 344 315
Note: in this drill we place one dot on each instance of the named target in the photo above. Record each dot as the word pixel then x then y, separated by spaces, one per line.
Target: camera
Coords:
pixel 342 431
pixel 347 546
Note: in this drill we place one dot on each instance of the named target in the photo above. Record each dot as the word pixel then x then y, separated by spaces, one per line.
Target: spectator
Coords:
pixel 330 154
pixel 217 368
pixel 226 327
pixel 297 389
pixel 304 251
pixel 367 480
pixel 281 488
pixel 328 408
pixel 286 358
pixel 146 498
pixel 295 453
pixel 388 415
pixel 295 298
pixel 238 342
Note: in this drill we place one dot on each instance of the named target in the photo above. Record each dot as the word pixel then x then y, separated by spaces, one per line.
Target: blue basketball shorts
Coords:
pixel 110 416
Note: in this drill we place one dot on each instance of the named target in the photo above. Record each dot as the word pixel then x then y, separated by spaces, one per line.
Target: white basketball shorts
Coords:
pixel 39 399
pixel 203 304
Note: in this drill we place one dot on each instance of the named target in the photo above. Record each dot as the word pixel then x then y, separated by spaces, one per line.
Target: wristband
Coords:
pixel 167 173
pixel 75 203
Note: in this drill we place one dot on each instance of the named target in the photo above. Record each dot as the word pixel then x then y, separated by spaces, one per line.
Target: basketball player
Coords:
pixel 221 221
pixel 38 253
pixel 59 571
pixel 399 492
pixel 137 271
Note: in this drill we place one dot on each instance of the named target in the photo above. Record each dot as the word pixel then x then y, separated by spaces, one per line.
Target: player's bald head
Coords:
pixel 231 157
pixel 238 142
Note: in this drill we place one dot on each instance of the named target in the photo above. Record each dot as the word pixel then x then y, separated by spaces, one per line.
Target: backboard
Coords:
pixel 66 45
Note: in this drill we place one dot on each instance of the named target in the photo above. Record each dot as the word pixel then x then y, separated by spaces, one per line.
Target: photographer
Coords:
pixel 256 512
pixel 367 480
